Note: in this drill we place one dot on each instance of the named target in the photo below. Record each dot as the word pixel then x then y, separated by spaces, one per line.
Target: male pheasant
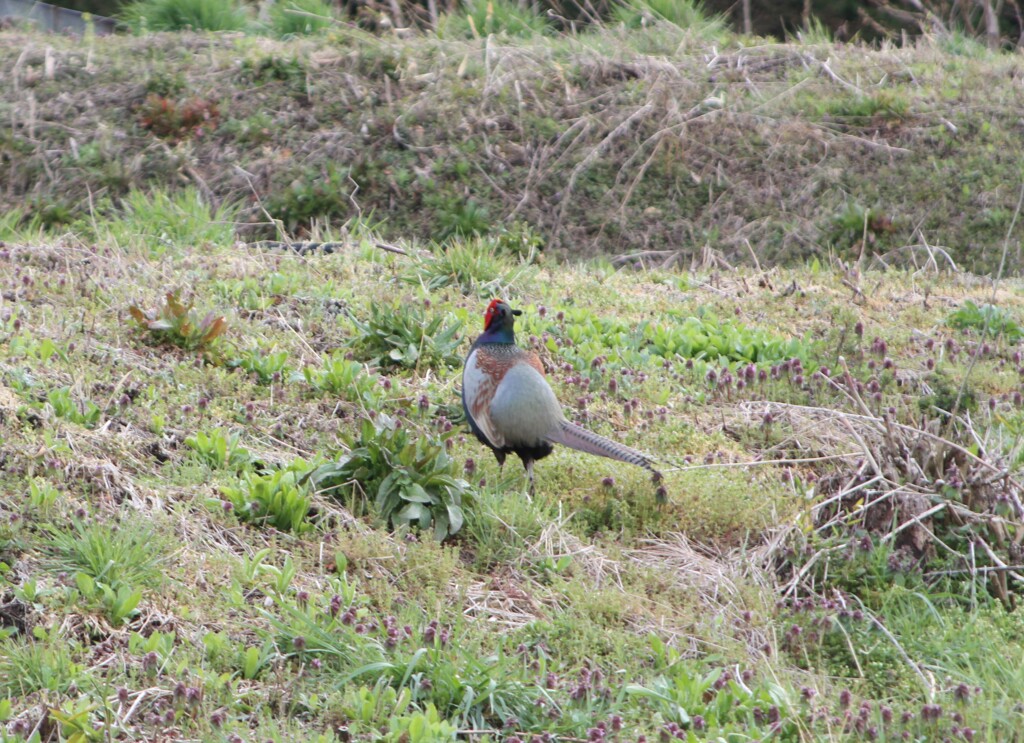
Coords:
pixel 511 408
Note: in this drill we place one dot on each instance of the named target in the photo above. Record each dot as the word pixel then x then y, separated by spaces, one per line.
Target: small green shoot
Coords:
pixel 282 576
pixel 42 496
pixel 87 414
pixel 256 660
pixel 252 567
pixel 75 718
pixel 29 591
pixel 220 449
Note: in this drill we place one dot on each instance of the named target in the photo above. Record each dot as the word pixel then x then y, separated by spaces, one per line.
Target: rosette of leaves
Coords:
pixel 279 499
pixel 180 324
pixel 402 335
pixel 406 480
pixel 987 319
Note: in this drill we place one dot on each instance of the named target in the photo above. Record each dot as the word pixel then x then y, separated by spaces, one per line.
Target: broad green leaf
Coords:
pixel 415 493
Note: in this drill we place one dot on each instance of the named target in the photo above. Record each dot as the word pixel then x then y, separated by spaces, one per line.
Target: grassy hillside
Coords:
pixel 607 142
pixel 829 559
pixel 238 500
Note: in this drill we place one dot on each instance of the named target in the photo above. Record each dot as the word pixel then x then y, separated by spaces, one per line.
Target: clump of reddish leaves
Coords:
pixel 179 324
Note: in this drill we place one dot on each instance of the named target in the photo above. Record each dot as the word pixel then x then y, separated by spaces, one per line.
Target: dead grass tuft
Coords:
pixel 501 601
pixel 899 480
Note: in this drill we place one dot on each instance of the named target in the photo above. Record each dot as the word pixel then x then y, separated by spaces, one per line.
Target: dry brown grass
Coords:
pixel 675 150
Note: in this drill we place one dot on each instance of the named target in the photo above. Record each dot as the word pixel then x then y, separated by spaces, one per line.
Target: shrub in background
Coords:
pixel 483 17
pixel 298 17
pixel 184 15
pixel 683 13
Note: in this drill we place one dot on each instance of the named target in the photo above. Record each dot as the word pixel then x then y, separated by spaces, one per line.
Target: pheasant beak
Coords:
pixel 517 313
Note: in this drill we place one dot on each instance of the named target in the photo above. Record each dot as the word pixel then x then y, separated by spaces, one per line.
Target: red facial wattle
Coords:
pixel 492 313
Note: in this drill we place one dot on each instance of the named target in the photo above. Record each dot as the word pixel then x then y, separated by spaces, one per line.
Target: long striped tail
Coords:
pixel 575 437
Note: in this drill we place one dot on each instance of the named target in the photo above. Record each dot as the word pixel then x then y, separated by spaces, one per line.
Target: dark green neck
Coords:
pixel 500 332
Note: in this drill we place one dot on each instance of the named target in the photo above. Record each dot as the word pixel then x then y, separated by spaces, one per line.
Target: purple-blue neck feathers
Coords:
pixel 498 324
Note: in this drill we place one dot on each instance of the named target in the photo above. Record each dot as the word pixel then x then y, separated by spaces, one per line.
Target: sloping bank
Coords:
pixel 613 142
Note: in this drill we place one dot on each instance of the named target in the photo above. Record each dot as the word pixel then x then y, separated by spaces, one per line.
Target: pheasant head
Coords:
pixel 498 323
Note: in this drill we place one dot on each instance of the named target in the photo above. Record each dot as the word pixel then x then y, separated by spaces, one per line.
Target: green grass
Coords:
pixel 287 529
pixel 178 15
pixel 247 476
pixel 114 555
pixel 685 14
pixel 482 17
pixel 163 222
pixel 45 663
pixel 299 17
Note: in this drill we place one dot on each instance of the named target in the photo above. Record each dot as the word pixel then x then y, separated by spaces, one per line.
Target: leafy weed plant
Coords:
pixel 266 68
pixel 343 378
pixel 64 406
pixel 75 719
pixel 260 293
pixel 179 324
pixel 268 367
pixel 398 666
pixel 177 120
pixel 42 496
pixel 402 335
pixel 112 554
pixel 118 603
pixel 459 219
pixel 279 499
pixel 407 479
pixel 705 337
pixel 220 450
pixel 313 194
pixel 986 319
pixel 718 703
pixel 108 564
pixel 708 338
